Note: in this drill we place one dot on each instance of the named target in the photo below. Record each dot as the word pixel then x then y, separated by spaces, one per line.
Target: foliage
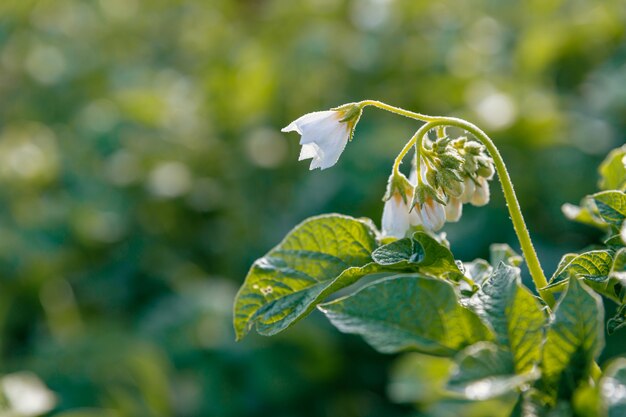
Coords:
pixel 501 342
pixel 142 171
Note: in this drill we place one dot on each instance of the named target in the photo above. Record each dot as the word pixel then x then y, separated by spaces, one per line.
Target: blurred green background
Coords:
pixel 142 170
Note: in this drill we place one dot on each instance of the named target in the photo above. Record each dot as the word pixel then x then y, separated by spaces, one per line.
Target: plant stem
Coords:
pixel 397 110
pixel 519 225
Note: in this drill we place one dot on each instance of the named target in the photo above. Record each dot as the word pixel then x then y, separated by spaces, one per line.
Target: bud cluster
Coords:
pixel 452 172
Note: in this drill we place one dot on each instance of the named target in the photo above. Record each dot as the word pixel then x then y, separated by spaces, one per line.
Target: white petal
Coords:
pixel 315 163
pixel 319 125
pixel 468 190
pixel 481 195
pixel 414 217
pixel 433 215
pixel 291 127
pixel 395 221
pixel 454 209
pixel 300 123
pixel 309 150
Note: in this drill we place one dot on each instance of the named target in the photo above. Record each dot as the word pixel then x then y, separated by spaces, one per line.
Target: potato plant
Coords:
pixel 481 343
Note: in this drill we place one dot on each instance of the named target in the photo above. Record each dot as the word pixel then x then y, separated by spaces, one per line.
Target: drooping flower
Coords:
pixel 325 134
pixel 396 219
pixel 432 213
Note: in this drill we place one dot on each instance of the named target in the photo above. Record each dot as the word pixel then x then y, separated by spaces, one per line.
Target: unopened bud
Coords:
pixel 481 195
pixel 454 209
pixel 485 169
pixel 469 187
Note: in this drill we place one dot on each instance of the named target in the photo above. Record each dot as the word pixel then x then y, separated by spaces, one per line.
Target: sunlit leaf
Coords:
pixel 611 206
pixel 408 312
pixel 593 266
pixel 574 338
pixel 613 170
pixel 514 314
pixel 320 256
pixel 586 213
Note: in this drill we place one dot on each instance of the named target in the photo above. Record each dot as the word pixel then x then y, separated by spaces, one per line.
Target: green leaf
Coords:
pixel 501 252
pixel 320 256
pixel 593 265
pixel 574 339
pixel 418 378
pixel 514 314
pixel 613 170
pixel 408 312
pixel 613 388
pixel 618 321
pixel 419 253
pixel 618 269
pixel 486 371
pixel 587 213
pixel 611 206
pixel 478 270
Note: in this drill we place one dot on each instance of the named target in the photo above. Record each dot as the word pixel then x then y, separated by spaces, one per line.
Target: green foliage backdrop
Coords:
pixel 142 171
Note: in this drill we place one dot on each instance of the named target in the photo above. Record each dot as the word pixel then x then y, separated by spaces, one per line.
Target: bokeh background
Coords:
pixel 142 170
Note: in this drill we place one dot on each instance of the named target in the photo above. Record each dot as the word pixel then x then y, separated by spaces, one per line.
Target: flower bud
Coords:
pixel 469 187
pixel 481 195
pixel 454 188
pixel 473 148
pixel 454 209
pixel 485 167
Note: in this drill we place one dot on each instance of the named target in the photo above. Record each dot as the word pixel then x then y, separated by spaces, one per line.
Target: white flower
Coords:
pixel 324 135
pixel 396 218
pixel 454 209
pixel 481 195
pixel 432 214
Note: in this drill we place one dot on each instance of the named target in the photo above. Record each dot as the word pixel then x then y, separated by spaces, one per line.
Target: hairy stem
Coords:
pixel 519 225
pixel 534 266
pixel 397 110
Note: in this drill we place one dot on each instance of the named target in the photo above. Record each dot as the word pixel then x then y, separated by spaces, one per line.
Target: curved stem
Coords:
pixel 396 110
pixel 515 211
pixel 416 140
